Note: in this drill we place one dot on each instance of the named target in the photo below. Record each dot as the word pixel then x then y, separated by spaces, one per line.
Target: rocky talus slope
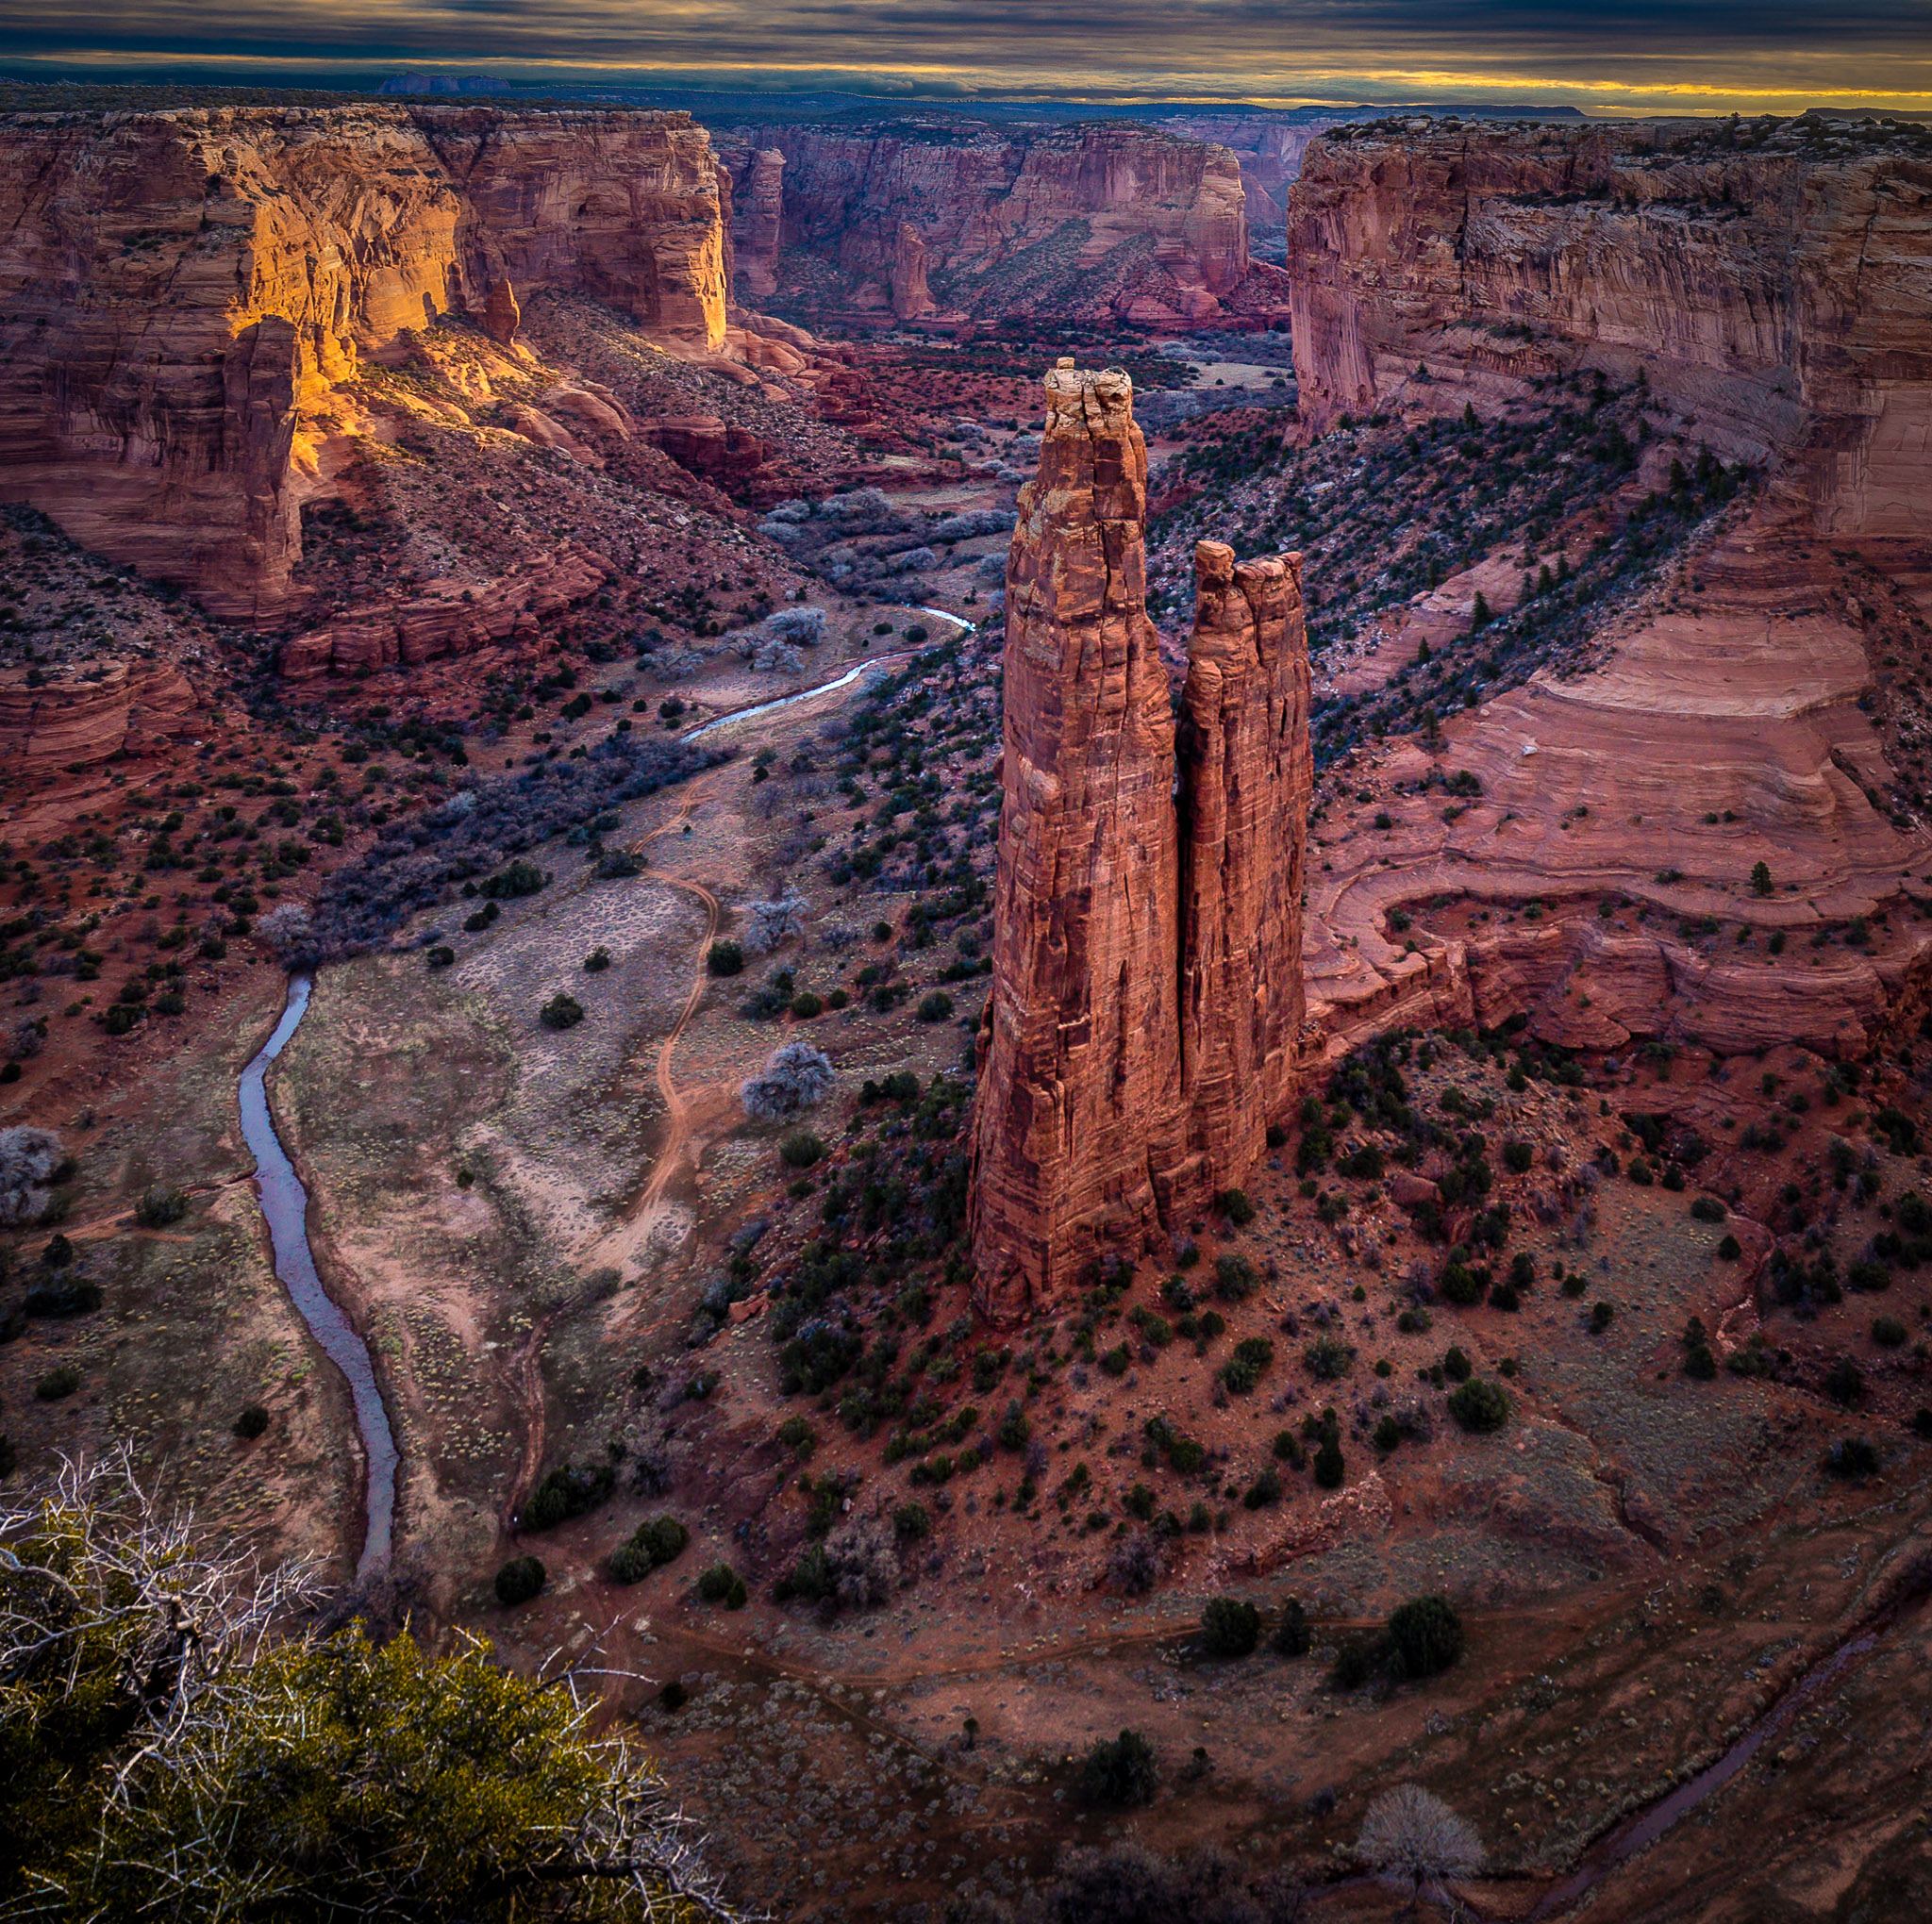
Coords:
pixel 1092 223
pixel 186 294
pixel 1147 943
pixel 1764 291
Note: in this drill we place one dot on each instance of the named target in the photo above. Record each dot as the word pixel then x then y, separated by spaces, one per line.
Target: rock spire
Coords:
pixel 1147 991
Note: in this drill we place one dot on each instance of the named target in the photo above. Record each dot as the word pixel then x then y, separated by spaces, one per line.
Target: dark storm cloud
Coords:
pixel 1620 52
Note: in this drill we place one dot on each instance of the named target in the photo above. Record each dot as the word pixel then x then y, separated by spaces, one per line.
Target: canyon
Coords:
pixel 1019 980
pixel 1761 292
pixel 953 225
pixel 285 250
pixel 1146 980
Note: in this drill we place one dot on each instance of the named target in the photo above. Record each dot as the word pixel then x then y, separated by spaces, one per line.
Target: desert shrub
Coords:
pixel 935 1007
pixel 519 879
pixel 161 1205
pixel 801 1148
pixel 1424 1636
pixel 562 1011
pixel 440 955
pixel 651 1545
pixel 1708 1209
pixel 1235 1206
pixel 721 1583
pixel 1133 1566
pixel 910 1523
pixel 31 1162
pixel 1244 1368
pixel 77 1296
pixel 597 960
pixel 795 1077
pixel 1291 1636
pixel 1328 1358
pixel 521 1579
pixel 568 1492
pixel 1844 1381
pixel 1329 1468
pixel 1887 1332
pixel 1120 1772
pixel 1412 1840
pixel 1730 1248
pixel 1478 1405
pixel 61 1381
pixel 805 1005
pixel 1230 1627
pixel 288 933
pixel 1852 1458
pixel 769 923
pixel 724 958
pixel 251 1422
pixel 1517 1157
pixel 1234 1278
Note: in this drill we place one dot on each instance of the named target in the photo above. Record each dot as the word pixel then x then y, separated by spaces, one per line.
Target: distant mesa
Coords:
pixel 1147 976
pixel 443 83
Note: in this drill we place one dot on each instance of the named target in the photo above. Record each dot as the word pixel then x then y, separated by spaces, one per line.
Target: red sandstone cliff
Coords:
pixel 1100 223
pixel 1246 775
pixel 180 289
pixel 1148 982
pixel 1078 1123
pixel 1780 288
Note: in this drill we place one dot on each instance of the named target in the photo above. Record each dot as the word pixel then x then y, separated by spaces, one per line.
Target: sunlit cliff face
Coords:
pixel 1626 56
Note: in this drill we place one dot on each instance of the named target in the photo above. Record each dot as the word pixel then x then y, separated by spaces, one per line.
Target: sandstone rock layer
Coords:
pixel 1146 992
pixel 1079 1125
pixel 1246 775
pixel 182 290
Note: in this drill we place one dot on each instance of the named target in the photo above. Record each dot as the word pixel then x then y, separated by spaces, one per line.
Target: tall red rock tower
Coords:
pixel 1246 774
pixel 1147 980
pixel 1078 1129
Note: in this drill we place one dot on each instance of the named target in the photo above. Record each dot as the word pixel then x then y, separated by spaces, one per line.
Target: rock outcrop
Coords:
pixel 1775 283
pixel 185 291
pixel 1098 223
pixel 1246 776
pixel 1146 949
pixel 79 720
pixel 448 619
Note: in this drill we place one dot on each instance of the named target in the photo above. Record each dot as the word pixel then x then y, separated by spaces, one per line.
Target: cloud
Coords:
pixel 1610 53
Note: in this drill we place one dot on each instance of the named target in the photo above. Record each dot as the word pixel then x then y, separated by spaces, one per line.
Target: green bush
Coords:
pixel 562 1011
pixel 1230 1627
pixel 1852 1458
pixel 1708 1209
pixel 1601 1316
pixel 1244 1368
pixel 1234 1278
pixel 935 1007
pixel 521 1579
pixel 1235 1206
pixel 568 1492
pixel 1120 1772
pixel 798 1436
pixel 1424 1636
pixel 440 955
pixel 597 961
pixel 724 958
pixel 805 1005
pixel 1479 1406
pixel 801 1148
pixel 251 1422
pixel 1887 1332
pixel 521 878
pixel 721 1583
pixel 161 1205
pixel 1517 1157
pixel 59 1382
pixel 1328 1359
pixel 911 1521
pixel 1329 1468
pixel 1291 1636
pixel 1730 1248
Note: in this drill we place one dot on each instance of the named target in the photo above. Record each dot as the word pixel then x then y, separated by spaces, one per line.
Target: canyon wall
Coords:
pixel 181 293
pixel 1147 980
pixel 1109 221
pixel 1777 283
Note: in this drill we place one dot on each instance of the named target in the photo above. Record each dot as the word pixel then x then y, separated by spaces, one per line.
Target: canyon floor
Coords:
pixel 1694 1102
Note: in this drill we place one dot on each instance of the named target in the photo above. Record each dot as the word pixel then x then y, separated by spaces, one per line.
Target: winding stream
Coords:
pixel 285 1203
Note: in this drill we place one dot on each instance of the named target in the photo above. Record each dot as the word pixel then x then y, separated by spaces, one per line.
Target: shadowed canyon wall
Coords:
pixel 1100 223
pixel 1146 989
pixel 181 291
pixel 1779 286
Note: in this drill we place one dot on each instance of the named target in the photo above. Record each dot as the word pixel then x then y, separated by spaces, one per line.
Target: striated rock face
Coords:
pixel 184 291
pixel 1246 776
pixel 1146 986
pixel 118 710
pixel 1078 1123
pixel 758 214
pixel 1098 223
pixel 1780 292
pixel 447 621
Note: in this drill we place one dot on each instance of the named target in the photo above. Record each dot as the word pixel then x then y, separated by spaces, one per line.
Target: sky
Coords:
pixel 1612 56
